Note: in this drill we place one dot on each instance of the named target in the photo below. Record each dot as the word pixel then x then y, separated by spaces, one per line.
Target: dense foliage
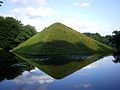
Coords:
pixel 13 32
pixel 115 40
pixel 103 39
pixel 9 30
pixel 25 33
pixel 112 40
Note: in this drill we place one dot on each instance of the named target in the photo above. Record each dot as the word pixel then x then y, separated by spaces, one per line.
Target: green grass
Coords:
pixel 60 39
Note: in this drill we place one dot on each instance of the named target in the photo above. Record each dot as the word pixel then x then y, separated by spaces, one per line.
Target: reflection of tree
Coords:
pixel 116 58
pixel 115 40
pixel 11 66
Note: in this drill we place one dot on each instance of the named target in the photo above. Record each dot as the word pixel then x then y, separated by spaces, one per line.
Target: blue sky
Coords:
pixel 100 16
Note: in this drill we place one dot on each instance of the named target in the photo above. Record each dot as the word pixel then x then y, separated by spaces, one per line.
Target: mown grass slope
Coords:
pixel 60 39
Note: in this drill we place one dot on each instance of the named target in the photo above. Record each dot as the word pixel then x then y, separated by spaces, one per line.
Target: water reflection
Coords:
pixel 58 72
pixel 36 78
pixel 60 66
pixel 11 66
pixel 116 58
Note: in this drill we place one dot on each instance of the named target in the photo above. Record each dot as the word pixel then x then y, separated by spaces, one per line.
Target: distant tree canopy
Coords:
pixel 13 32
pixel 95 36
pixel 98 37
pixel 25 33
pixel 112 40
pixel 115 40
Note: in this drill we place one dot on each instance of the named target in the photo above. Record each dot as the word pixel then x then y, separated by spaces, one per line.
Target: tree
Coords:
pixel 98 37
pixel 95 36
pixel 115 40
pixel 9 30
pixel 13 32
pixel 107 40
pixel 25 33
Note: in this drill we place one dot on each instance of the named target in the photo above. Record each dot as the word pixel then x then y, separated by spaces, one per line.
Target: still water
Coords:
pixel 59 72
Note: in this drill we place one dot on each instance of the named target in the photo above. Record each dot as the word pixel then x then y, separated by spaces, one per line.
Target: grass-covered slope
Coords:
pixel 60 39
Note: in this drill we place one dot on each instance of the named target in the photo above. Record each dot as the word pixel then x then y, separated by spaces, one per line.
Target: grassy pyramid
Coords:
pixel 60 39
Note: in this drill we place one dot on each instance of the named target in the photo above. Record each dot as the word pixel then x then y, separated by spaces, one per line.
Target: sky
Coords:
pixel 95 16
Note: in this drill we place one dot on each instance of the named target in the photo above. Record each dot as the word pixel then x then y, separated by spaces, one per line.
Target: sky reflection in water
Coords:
pixel 102 74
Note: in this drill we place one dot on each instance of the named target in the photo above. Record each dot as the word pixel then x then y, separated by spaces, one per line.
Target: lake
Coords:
pixel 59 72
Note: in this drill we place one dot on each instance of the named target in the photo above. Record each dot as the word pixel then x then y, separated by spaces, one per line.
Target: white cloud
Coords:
pixel 43 16
pixel 29 1
pixel 91 66
pixel 6 15
pixel 40 21
pixel 82 16
pixel 34 16
pixel 84 4
pixel 19 1
pixel 33 12
pixel 40 1
pixel 83 85
pixel 82 25
pixel 32 77
pixel 75 23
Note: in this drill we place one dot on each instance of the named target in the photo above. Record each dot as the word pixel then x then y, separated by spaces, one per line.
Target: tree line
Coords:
pixel 111 40
pixel 98 37
pixel 13 32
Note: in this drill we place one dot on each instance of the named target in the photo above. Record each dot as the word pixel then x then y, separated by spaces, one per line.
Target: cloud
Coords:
pixel 33 77
pixel 40 1
pixel 83 74
pixel 91 66
pixel 33 80
pixel 82 25
pixel 34 16
pixel 33 12
pixel 84 4
pixel 40 21
pixel 83 85
pixel 28 1
pixel 75 23
pixel 19 1
pixel 43 16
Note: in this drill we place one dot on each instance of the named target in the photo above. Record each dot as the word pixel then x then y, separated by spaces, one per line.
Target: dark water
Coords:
pixel 59 72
